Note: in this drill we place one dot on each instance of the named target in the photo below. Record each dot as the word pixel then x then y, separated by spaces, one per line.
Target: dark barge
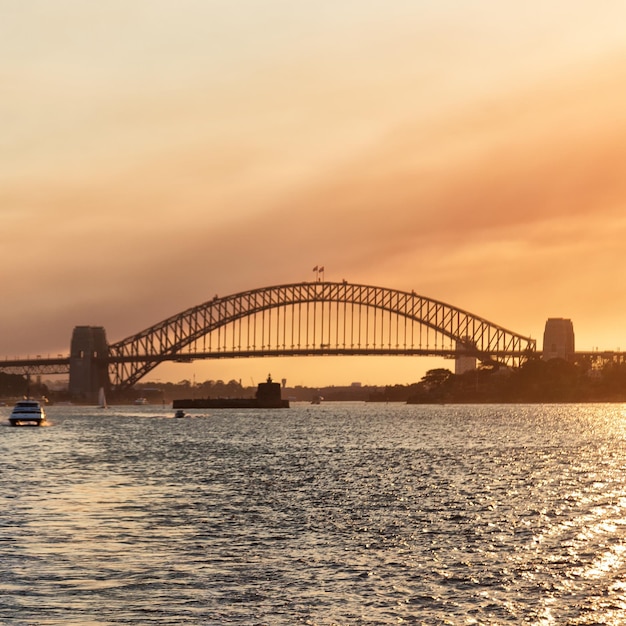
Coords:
pixel 267 397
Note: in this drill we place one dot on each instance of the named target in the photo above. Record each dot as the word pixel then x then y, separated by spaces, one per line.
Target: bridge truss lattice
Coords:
pixel 315 318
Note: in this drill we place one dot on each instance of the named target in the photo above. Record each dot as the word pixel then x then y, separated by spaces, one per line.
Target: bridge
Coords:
pixel 300 319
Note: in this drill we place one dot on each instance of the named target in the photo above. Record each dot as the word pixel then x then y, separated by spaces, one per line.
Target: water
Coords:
pixel 333 514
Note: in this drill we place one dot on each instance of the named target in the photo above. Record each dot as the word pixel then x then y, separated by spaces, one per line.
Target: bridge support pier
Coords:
pixel 88 366
pixel 464 362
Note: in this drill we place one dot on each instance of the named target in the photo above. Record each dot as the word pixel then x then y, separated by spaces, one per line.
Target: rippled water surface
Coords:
pixel 333 514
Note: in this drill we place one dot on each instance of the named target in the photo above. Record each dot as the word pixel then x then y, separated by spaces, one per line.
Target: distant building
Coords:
pixel 558 339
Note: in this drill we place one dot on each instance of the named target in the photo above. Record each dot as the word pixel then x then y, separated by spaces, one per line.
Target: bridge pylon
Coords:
pixel 88 363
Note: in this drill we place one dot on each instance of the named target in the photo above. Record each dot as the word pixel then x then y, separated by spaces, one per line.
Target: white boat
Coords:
pixel 102 401
pixel 141 401
pixel 27 412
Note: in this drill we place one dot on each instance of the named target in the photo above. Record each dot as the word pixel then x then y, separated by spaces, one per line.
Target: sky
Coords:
pixel 154 153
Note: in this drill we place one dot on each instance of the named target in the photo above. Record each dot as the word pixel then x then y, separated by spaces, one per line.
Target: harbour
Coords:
pixel 342 513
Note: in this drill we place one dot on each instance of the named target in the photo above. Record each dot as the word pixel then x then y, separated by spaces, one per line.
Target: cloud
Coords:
pixel 506 202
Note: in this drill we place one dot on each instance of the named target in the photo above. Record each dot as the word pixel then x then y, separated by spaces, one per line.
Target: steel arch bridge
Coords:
pixel 314 318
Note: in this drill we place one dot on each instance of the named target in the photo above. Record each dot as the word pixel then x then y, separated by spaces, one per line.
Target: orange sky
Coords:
pixel 470 151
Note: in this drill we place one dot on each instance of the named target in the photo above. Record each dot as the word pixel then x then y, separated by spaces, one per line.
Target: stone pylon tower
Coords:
pixel 558 339
pixel 87 372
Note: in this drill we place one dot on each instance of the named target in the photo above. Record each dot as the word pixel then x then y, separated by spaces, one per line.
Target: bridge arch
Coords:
pixel 314 318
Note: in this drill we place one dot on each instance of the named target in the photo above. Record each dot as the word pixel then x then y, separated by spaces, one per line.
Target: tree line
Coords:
pixel 536 380
pixel 556 380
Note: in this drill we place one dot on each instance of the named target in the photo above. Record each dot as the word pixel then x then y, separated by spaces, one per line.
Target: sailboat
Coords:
pixel 102 401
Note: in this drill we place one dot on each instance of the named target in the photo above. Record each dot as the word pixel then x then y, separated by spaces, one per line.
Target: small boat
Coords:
pixel 102 401
pixel 141 401
pixel 27 412
pixel 180 413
